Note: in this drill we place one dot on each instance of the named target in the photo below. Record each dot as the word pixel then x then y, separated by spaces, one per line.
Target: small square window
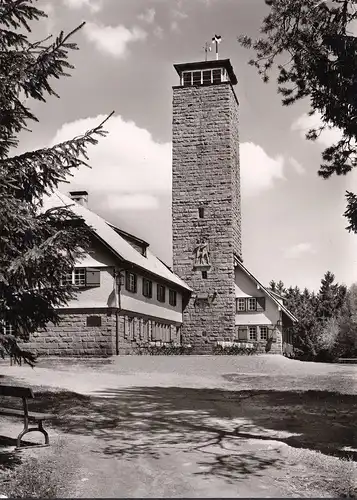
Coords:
pixel 252 304
pixel 252 333
pixel 241 305
pixel 147 288
pixel 161 293
pixel 204 275
pixel 67 279
pixel 201 212
pixel 172 298
pixel 79 277
pixel 7 328
pixel 131 282
pixel 263 332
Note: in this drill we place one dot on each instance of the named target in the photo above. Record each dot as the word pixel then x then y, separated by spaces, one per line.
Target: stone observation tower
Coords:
pixel 206 210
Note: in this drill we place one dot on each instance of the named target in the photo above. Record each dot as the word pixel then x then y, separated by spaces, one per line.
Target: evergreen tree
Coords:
pixel 37 247
pixel 310 43
pixel 331 297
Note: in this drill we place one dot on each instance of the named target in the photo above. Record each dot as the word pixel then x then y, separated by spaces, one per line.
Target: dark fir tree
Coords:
pixel 36 246
pixel 315 54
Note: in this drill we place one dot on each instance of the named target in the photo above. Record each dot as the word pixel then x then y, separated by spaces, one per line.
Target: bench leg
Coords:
pixel 33 429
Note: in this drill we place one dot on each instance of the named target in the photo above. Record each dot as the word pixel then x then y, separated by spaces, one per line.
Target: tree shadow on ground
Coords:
pixel 153 420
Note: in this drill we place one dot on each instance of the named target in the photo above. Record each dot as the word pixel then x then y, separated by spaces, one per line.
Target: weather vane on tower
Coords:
pixel 216 40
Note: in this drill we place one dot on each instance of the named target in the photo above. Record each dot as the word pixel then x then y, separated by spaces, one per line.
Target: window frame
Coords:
pixel 252 335
pixel 160 298
pixel 248 306
pixel 172 293
pixel 243 301
pixel 128 283
pixel 147 293
pixel 266 330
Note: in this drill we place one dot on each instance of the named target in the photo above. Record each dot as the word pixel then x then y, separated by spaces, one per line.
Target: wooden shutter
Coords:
pixel 92 277
pixel 260 303
pixel 127 280
pixel 243 333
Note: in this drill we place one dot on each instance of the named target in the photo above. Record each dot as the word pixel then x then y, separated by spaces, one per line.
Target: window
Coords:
pixel 206 77
pixel 196 77
pixel 131 327
pixel 131 282
pixel 252 333
pixel 201 212
pixel 216 76
pixel 79 277
pixel 187 79
pixel 204 275
pixel 160 293
pixel 263 332
pixel 147 288
pixel 252 304
pixel 172 298
pixel 241 305
pixel 82 276
pixel 7 328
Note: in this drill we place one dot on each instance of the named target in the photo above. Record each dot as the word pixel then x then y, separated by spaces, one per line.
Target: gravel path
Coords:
pixel 175 426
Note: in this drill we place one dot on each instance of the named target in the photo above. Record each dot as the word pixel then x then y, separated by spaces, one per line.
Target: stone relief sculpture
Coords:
pixel 202 255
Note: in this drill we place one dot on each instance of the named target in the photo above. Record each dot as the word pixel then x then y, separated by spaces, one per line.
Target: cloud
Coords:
pixel 297 166
pixel 178 15
pixel 131 169
pixel 159 32
pixel 128 166
pixel 297 251
pixel 93 5
pixel 305 122
pixel 148 16
pixel 258 170
pixel 113 40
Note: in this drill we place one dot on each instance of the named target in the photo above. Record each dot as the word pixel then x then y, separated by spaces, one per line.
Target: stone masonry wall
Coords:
pixel 72 337
pixel 206 174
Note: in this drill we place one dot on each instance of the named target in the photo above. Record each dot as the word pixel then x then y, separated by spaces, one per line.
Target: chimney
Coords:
pixel 80 197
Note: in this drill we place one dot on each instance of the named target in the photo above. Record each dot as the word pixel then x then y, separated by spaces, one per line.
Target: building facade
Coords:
pixel 127 299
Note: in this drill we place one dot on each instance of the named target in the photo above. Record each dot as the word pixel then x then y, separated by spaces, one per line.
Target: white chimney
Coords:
pixel 80 197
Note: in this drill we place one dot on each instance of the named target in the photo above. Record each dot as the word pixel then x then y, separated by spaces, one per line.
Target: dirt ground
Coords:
pixel 177 426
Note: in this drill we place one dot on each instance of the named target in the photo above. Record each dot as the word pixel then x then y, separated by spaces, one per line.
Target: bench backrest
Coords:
pixel 16 391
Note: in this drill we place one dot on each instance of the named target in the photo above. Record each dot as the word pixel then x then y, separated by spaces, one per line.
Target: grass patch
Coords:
pixel 47 475
pixel 337 477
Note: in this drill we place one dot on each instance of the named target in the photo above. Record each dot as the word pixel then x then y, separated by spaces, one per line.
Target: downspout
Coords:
pixel 117 308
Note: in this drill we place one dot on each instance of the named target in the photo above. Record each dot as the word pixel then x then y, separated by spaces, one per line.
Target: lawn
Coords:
pixel 191 426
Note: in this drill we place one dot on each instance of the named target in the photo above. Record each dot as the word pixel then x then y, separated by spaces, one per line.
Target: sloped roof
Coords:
pixel 266 291
pixel 117 244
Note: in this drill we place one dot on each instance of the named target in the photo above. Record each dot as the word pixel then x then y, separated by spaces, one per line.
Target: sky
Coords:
pixel 292 220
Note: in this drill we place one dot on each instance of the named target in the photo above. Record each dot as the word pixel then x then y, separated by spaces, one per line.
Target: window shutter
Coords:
pixel 260 303
pixel 127 280
pixel 243 333
pixel 135 283
pixel 92 277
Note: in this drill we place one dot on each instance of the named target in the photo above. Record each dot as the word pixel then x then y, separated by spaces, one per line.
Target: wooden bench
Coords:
pixel 25 393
